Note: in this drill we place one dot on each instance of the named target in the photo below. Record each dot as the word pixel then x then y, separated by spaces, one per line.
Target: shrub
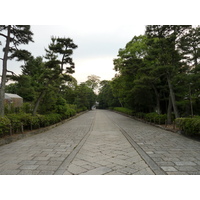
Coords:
pixel 15 120
pixel 189 126
pixel 27 107
pixel 140 115
pixel 124 110
pixel 52 118
pixel 4 126
pixel 80 109
pixel 156 118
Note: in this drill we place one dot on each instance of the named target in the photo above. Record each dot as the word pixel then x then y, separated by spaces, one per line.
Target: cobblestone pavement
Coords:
pixel 45 152
pixel 102 142
pixel 172 152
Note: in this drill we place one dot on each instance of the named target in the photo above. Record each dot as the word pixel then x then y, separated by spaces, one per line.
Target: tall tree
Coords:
pixel 164 41
pixel 14 35
pixel 105 96
pixel 93 81
pixel 58 67
pixel 190 49
pixel 85 96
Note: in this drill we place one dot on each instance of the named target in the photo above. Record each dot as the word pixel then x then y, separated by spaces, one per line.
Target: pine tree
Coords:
pixel 58 67
pixel 164 41
pixel 15 35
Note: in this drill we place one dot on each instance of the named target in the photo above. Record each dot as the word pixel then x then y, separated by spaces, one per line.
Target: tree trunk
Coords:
pixel 38 102
pixel 169 111
pixel 120 102
pixel 172 97
pixel 157 100
pixel 191 106
pixel 4 70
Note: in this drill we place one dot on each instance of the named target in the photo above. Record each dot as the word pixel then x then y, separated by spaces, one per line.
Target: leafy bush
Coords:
pixel 80 109
pixel 124 110
pixel 29 122
pixel 156 118
pixel 16 120
pixel 4 125
pixel 140 115
pixel 64 109
pixel 27 107
pixel 49 119
pixel 189 126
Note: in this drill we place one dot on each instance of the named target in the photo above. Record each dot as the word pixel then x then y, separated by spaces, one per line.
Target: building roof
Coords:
pixel 9 96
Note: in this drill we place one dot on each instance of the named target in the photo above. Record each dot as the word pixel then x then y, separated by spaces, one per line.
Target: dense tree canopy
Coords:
pixel 158 72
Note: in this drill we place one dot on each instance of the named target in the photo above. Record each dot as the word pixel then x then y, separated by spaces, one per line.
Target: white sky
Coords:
pixel 97 45
pixel 99 28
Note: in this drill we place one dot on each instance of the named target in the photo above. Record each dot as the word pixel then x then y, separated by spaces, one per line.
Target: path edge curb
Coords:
pixel 19 136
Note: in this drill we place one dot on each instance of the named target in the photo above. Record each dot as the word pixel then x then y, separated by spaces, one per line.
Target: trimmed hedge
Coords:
pixel 124 110
pixel 17 122
pixel 4 126
pixel 155 118
pixel 150 117
pixel 189 126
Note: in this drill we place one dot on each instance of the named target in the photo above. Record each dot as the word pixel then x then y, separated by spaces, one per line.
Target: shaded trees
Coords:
pixel 159 71
pixel 106 98
pixel 85 96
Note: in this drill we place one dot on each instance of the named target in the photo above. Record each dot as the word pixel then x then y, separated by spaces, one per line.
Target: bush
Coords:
pixel 140 115
pixel 4 126
pixel 64 109
pixel 81 109
pixel 29 122
pixel 156 118
pixel 27 107
pixel 15 120
pixel 124 110
pixel 49 119
pixel 189 126
pixel 70 111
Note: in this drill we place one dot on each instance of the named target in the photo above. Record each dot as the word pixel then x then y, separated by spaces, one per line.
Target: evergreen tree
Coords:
pixel 164 41
pixel 14 35
pixel 58 66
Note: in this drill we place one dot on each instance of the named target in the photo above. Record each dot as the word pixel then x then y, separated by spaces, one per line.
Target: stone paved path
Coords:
pixel 102 142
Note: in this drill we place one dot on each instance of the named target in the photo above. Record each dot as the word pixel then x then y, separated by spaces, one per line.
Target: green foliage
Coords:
pixel 85 96
pixel 14 35
pixel 31 122
pixel 49 119
pixel 156 118
pixel 124 110
pixel 4 126
pixel 189 126
pixel 27 120
pixel 70 110
pixel 106 97
pixel 150 117
pixel 93 81
pixel 27 107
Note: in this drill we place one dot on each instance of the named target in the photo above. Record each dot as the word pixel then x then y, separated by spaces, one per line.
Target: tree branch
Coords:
pixel 3 35
pixel 11 72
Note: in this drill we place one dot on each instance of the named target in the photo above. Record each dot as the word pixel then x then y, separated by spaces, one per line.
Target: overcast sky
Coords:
pixel 99 27
pixel 97 45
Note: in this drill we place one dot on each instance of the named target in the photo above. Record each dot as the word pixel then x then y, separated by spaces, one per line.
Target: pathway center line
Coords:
pixel 65 164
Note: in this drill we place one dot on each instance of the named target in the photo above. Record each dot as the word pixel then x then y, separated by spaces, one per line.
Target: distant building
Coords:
pixel 13 99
